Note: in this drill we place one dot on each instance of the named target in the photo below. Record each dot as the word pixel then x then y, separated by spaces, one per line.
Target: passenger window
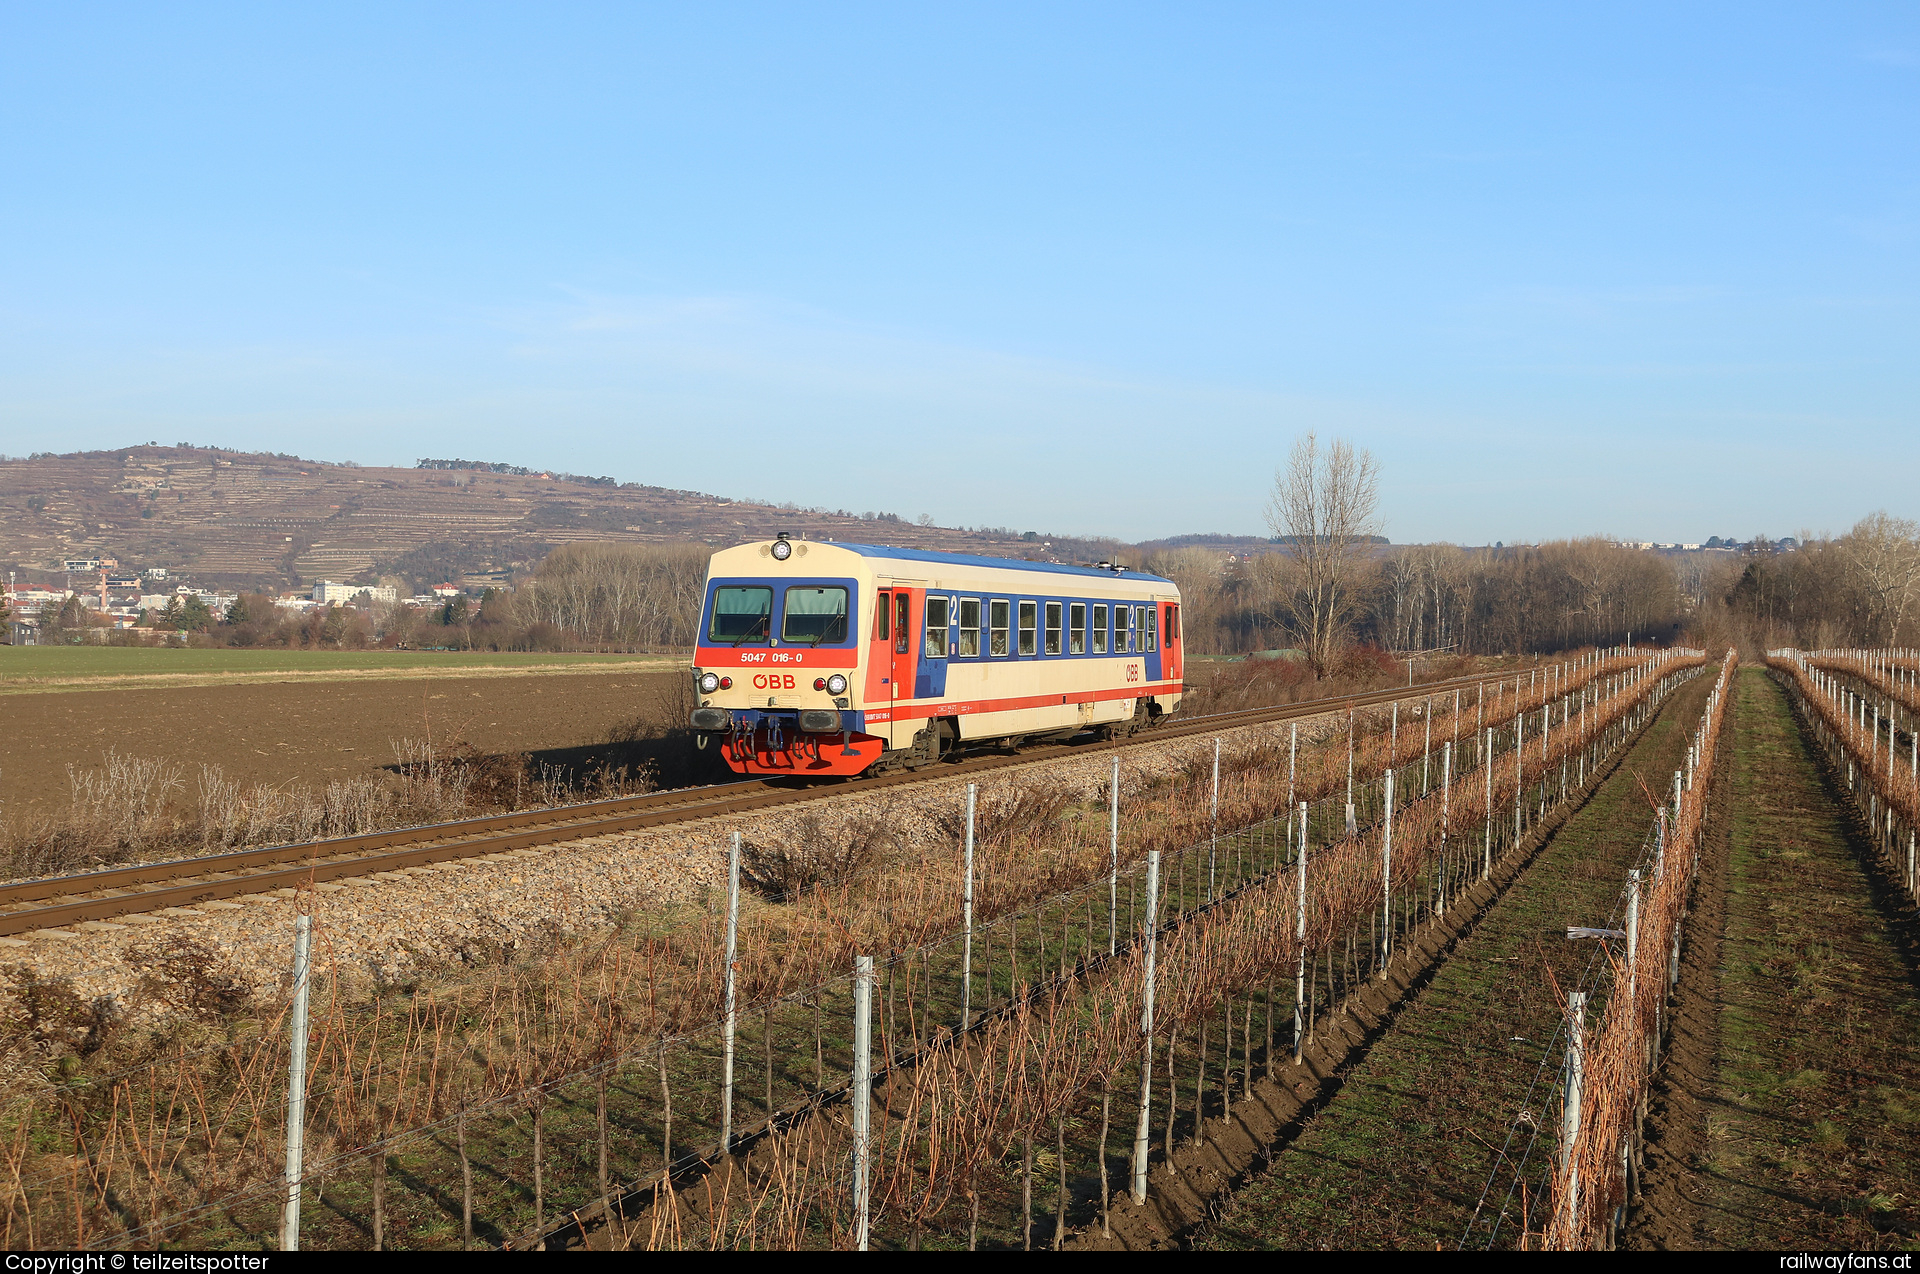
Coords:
pixel 1153 627
pixel 902 623
pixel 1139 629
pixel 1053 628
pixel 1029 614
pixel 1120 646
pixel 969 626
pixel 997 627
pixel 1076 628
pixel 1099 630
pixel 882 618
pixel 936 638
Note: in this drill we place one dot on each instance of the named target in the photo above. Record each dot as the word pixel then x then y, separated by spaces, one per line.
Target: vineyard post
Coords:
pixel 1293 752
pixel 966 918
pixel 1660 845
pixel 862 1093
pixel 727 1027
pixel 1426 748
pixel 1446 809
pixel 1350 824
pixel 1300 939
pixel 1486 862
pixel 1673 957
pixel 1213 837
pixel 1519 760
pixel 1386 882
pixel 1633 934
pixel 297 1084
pixel 1570 1123
pixel 1293 755
pixel 1142 1130
pixel 1113 862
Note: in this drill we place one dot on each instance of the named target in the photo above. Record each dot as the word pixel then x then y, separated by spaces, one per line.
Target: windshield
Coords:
pixel 815 615
pixel 741 614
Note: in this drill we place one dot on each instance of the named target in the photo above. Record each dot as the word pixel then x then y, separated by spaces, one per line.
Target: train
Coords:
pixel 824 659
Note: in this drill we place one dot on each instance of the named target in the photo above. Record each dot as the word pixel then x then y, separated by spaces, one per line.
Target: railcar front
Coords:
pixel 820 659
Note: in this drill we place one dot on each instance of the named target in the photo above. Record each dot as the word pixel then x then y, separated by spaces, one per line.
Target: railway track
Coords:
pixel 194 885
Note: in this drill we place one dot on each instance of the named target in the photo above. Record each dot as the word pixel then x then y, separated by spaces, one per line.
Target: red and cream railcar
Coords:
pixel 823 659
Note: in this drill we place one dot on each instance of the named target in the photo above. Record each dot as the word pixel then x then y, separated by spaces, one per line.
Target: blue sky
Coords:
pixel 1646 270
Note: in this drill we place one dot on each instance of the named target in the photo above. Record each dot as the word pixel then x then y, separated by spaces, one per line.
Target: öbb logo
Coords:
pixel 772 681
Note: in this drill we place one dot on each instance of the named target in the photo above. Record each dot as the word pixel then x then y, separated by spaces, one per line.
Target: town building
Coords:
pixel 328 593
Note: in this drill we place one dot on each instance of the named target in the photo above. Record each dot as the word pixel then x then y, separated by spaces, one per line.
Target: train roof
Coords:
pixel 993 563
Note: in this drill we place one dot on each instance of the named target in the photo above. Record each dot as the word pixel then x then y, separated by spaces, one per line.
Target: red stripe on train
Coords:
pixel 923 711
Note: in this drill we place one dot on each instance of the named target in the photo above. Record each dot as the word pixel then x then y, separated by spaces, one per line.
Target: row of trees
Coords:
pixel 1551 596
pixel 1334 584
pixel 603 597
pixel 611 597
pixel 1858 589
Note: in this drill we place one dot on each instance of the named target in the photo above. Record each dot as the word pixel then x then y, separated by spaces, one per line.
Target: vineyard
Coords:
pixel 1012 1032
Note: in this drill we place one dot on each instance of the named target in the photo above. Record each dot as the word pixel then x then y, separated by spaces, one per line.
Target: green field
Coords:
pixel 54 667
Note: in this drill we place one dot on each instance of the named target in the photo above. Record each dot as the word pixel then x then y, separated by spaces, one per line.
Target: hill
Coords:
pixel 235 519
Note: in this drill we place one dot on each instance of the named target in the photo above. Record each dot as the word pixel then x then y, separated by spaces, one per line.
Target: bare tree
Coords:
pixel 1885 554
pixel 619 596
pixel 1325 505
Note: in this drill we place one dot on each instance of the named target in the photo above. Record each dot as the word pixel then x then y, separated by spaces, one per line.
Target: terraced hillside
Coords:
pixel 236 519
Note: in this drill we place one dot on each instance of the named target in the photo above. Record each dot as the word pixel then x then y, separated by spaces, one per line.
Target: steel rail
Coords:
pixel 103 895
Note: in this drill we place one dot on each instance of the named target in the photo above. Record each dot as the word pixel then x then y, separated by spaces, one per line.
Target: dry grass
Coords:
pixel 132 809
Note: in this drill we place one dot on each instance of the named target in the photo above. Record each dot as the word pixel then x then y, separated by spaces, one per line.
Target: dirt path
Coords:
pixel 1401 1155
pixel 1788 1118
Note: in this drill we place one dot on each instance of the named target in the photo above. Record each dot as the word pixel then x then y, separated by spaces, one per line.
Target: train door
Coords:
pixel 890 666
pixel 1173 648
pixel 905 633
pixel 879 690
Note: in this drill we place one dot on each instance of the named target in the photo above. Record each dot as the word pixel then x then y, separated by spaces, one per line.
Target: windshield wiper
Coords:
pixel 751 632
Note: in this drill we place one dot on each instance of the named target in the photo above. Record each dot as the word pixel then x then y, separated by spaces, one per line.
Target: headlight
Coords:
pixel 836 684
pixel 782 550
pixel 709 682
